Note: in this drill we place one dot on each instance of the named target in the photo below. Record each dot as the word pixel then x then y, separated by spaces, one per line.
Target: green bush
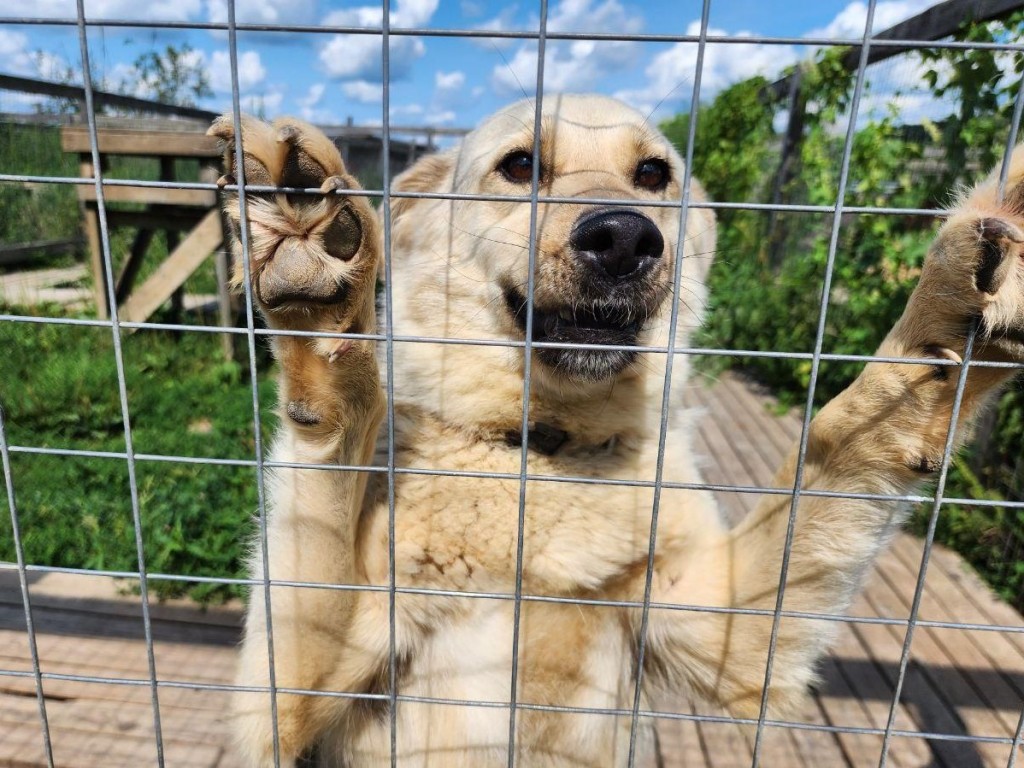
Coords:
pixel 768 276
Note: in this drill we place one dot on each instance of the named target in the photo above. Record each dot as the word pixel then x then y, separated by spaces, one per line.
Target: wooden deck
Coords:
pixel 959 682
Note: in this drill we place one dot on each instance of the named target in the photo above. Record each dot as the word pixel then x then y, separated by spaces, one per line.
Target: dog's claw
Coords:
pixel 287 134
pixel 332 183
pixel 934 350
pixel 993 229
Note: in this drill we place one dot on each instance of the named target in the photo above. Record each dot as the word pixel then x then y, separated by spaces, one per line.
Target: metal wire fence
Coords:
pixel 158 681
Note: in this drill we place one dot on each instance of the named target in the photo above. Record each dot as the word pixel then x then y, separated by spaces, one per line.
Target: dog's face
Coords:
pixel 603 271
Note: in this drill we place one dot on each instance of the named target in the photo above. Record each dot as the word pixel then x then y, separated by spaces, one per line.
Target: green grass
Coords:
pixel 60 390
pixel 36 211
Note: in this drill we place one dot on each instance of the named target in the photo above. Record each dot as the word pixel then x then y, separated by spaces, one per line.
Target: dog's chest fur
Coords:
pixel 461 532
pixel 569 656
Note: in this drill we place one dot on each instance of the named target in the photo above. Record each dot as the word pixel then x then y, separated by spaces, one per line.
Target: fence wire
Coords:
pixel 517 596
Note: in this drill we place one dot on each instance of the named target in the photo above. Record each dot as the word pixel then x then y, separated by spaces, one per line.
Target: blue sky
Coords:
pixel 327 78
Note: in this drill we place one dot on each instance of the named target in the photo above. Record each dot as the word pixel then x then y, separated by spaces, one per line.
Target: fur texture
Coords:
pixel 459 268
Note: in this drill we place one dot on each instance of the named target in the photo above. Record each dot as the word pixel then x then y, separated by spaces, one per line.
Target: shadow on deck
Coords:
pixel 962 684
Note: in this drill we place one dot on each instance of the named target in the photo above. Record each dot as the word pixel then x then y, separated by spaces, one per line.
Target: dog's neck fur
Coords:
pixel 480 390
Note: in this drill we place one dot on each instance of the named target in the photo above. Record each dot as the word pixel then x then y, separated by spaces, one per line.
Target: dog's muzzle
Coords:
pixel 617 245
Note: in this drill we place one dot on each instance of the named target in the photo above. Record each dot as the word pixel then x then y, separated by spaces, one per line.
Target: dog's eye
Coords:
pixel 517 167
pixel 652 174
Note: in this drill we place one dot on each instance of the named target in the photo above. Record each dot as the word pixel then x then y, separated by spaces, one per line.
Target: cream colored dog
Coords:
pixel 604 276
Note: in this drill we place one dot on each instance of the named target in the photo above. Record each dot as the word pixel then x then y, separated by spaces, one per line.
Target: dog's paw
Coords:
pixel 312 257
pixel 975 271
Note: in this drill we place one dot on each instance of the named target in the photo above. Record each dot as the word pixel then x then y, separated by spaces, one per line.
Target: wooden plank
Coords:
pixel 87 732
pixel 722 467
pixel 156 216
pixel 91 225
pixel 744 440
pixel 939 21
pixel 919 707
pixel 816 748
pixel 19 253
pixel 105 597
pixel 842 706
pixel 225 301
pixel 781 431
pixel 945 601
pixel 204 198
pixel 100 97
pixel 75 138
pixel 37 286
pixel 175 270
pixel 921 695
pixel 946 665
pixel 679 744
pixel 985 600
pixel 130 268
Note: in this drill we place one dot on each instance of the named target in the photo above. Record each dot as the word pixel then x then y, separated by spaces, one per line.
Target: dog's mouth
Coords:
pixel 603 324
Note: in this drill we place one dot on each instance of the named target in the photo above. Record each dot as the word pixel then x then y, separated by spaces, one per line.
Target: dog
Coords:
pixel 606 281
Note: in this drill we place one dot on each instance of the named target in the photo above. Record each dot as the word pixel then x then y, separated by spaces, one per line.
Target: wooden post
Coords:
pixel 91 220
pixel 171 237
pixel 176 269
pixel 225 308
pixel 130 269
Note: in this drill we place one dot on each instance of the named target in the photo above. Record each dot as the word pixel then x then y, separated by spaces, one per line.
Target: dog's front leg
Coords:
pixel 312 266
pixel 886 435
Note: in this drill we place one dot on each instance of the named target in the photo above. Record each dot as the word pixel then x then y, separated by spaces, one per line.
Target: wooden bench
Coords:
pixel 189 217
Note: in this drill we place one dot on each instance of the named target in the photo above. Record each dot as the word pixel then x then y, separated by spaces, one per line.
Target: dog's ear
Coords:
pixel 431 173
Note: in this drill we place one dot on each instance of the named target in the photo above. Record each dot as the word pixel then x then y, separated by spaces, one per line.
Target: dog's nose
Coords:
pixel 620 243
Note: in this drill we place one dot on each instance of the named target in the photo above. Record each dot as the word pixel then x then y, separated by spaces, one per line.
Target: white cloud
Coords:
pixel 358 57
pixel 576 65
pixel 670 74
pixel 263 11
pixel 420 114
pixel 443 117
pixel 163 10
pixel 363 91
pixel 43 8
pixel 15 55
pixel 849 23
pixel 586 16
pixel 443 108
pixel 407 110
pixel 251 71
pixel 19 59
pixel 449 81
pixel 312 107
pixel 503 22
pixel 312 97
pixel 268 103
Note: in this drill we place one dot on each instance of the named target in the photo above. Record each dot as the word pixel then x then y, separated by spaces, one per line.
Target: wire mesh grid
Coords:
pixel 158 682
